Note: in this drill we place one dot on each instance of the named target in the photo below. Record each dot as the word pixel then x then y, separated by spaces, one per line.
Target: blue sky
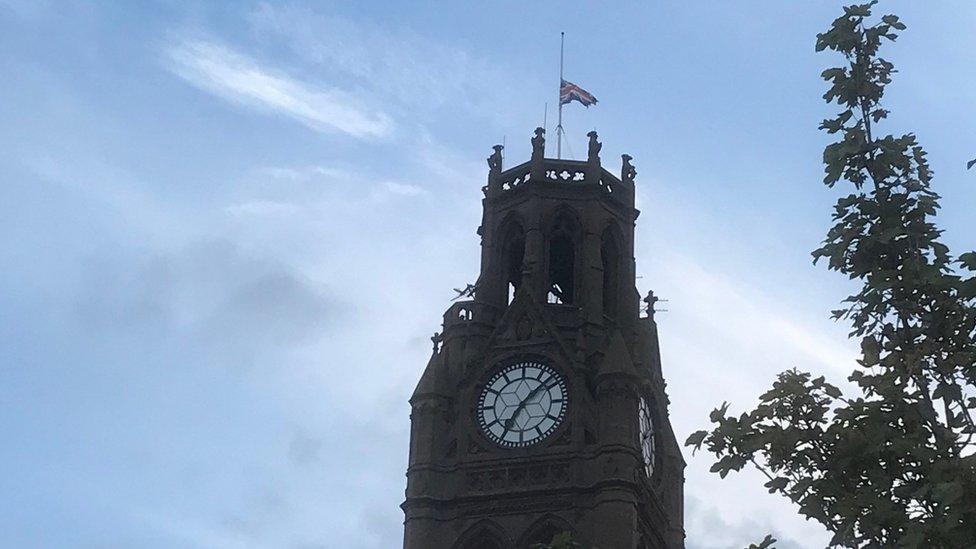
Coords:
pixel 227 232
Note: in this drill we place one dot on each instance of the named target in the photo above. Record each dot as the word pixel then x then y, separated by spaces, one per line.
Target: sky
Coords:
pixel 228 230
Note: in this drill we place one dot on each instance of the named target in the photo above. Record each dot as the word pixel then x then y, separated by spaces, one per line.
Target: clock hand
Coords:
pixel 521 406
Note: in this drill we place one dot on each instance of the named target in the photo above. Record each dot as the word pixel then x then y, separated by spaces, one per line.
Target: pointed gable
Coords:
pixel 430 384
pixel 617 360
pixel 527 322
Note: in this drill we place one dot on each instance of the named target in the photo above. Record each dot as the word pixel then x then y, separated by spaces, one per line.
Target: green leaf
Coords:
pixel 696 439
pixel 777 484
pixel 832 391
pixel 719 413
pixel 767 543
pixel 968 260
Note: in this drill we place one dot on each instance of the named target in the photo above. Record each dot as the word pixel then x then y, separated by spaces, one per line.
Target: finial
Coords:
pixel 627 173
pixel 594 147
pixel 651 300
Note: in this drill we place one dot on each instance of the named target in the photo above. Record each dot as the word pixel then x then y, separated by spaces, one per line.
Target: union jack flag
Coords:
pixel 569 92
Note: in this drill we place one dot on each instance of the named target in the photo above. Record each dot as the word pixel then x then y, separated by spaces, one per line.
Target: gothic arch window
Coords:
pixel 562 259
pixel 543 531
pixel 484 535
pixel 513 255
pixel 610 257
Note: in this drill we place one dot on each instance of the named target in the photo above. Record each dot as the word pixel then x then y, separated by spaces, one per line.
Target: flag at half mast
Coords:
pixel 569 92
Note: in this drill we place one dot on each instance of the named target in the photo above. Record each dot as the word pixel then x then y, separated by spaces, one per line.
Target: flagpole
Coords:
pixel 545 122
pixel 559 126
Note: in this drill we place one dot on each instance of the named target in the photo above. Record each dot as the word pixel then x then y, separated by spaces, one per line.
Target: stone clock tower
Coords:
pixel 543 407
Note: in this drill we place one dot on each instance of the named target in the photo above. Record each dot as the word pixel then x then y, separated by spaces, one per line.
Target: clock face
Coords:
pixel 522 404
pixel 646 423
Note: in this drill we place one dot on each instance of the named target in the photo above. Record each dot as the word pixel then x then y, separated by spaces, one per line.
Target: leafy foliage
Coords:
pixel 559 541
pixel 766 543
pixel 893 466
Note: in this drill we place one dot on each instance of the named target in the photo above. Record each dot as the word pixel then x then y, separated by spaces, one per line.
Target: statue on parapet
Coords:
pixel 495 160
pixel 539 143
pixel 593 154
pixel 628 172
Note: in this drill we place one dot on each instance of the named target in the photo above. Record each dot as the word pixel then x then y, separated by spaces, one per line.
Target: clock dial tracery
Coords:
pixel 522 404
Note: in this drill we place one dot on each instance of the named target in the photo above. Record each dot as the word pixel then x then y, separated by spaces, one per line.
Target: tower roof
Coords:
pixel 430 384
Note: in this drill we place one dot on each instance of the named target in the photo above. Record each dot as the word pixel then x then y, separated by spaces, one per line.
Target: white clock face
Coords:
pixel 646 423
pixel 522 404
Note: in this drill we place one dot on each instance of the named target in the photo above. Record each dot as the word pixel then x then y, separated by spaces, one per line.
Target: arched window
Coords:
pixel 610 256
pixel 484 535
pixel 543 531
pixel 486 542
pixel 513 252
pixel 562 260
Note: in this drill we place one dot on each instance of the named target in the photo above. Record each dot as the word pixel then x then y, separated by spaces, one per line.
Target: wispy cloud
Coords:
pixel 237 78
pixel 416 72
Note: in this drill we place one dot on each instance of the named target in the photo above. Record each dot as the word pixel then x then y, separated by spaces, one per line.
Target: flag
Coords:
pixel 568 92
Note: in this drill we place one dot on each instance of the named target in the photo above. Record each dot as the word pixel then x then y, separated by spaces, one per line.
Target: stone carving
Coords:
pixel 495 160
pixel 539 144
pixel 515 477
pixel 628 173
pixel 593 154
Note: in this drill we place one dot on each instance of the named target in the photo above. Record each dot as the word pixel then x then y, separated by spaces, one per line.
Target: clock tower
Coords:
pixel 543 407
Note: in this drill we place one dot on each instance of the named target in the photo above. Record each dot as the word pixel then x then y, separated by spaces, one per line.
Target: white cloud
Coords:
pixel 731 309
pixel 402 189
pixel 239 79
pixel 303 173
pixel 397 64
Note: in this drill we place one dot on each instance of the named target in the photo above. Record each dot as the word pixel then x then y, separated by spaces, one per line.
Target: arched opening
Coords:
pixel 562 260
pixel 485 535
pixel 513 254
pixel 486 542
pixel 610 257
pixel 544 531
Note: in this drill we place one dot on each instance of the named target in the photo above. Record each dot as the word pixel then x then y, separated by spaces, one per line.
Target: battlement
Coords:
pixel 559 171
pixel 539 169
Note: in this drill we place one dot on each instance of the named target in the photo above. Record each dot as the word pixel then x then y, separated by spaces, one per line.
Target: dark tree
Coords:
pixel 893 465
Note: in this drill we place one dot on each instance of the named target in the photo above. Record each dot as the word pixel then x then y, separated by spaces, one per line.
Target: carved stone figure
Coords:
pixel 628 172
pixel 495 160
pixel 593 154
pixel 539 143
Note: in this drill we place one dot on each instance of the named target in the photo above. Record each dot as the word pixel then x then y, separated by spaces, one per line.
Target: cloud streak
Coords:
pixel 239 79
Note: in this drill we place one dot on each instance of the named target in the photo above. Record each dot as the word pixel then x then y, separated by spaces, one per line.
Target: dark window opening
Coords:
pixel 562 263
pixel 483 539
pixel 544 534
pixel 513 251
pixel 610 256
